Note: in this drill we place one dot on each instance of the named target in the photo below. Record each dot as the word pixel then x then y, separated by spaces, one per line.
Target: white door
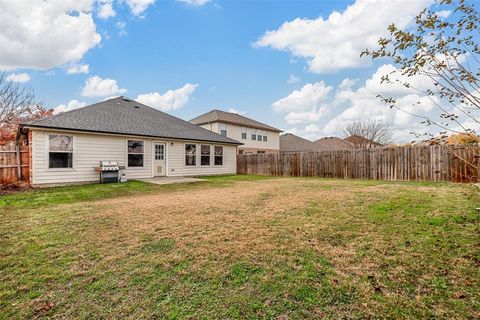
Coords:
pixel 159 160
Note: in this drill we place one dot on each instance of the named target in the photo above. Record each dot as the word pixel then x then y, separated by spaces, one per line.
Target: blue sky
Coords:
pixel 187 57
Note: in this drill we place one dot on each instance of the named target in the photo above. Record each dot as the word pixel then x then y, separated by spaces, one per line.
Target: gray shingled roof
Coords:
pixel 292 143
pixel 333 143
pixel 232 118
pixel 125 116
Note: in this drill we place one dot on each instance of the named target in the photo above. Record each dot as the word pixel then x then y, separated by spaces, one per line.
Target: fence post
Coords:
pixel 19 165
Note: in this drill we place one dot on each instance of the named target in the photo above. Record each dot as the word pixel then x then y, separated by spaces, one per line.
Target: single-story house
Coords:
pixel 66 148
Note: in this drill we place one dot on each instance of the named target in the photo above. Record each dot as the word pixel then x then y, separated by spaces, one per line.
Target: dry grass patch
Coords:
pixel 233 248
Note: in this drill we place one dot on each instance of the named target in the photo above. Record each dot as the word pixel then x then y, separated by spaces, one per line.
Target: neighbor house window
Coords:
pixel 190 154
pixel 135 153
pixel 254 135
pixel 223 129
pixel 265 136
pixel 60 151
pixel 205 155
pixel 244 133
pixel 259 136
pixel 218 155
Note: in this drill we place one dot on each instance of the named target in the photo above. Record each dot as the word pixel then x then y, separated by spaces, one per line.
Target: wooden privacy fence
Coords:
pixel 14 164
pixel 419 163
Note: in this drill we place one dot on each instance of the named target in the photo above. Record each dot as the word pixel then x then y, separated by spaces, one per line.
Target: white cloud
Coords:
pixel 138 7
pixel 363 104
pixel 75 68
pixel 293 79
pixel 304 99
pixel 98 87
pixel 170 100
pixel 72 105
pixel 194 3
pixel 232 110
pixel 336 42
pixel 105 9
pixel 45 34
pixel 306 116
pixel 304 105
pixel 121 28
pixel 310 132
pixel 347 84
pixel 444 13
pixel 21 77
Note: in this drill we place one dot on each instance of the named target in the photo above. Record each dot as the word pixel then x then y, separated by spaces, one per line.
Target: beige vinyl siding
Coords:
pixel 176 160
pixel 88 150
pixel 235 132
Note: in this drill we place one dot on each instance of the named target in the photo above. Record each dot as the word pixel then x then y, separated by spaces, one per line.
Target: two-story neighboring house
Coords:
pixel 256 137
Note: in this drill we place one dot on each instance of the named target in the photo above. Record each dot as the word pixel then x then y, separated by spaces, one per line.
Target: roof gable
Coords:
pixel 292 143
pixel 232 118
pixel 126 116
pixel 333 143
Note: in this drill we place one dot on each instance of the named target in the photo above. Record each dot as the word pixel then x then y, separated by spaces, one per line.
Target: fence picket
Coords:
pixel 415 163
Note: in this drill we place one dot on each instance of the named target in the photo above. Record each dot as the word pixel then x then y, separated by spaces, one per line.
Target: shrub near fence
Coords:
pixel 419 163
pixel 11 161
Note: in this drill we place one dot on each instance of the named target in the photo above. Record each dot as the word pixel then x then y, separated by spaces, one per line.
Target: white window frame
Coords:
pixel 223 156
pixel 155 151
pixel 47 151
pixel 209 155
pixel 185 155
pixel 127 153
pixel 222 127
pixel 254 133
pixel 244 131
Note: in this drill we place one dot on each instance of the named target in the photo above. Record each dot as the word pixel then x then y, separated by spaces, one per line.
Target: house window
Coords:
pixel 223 129
pixel 159 152
pixel 244 133
pixel 265 136
pixel 205 155
pixel 60 151
pixel 259 136
pixel 218 155
pixel 135 153
pixel 254 135
pixel 190 154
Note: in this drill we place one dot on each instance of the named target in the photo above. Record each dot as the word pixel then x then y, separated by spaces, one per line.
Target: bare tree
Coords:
pixel 17 104
pixel 368 133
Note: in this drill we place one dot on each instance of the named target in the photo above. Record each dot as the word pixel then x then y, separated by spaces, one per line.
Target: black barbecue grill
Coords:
pixel 109 171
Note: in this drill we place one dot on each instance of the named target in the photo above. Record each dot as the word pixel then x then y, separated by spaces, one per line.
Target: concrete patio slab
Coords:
pixel 170 180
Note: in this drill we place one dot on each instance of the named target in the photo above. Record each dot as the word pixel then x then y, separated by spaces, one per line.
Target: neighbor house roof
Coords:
pixel 125 116
pixel 232 118
pixel 361 141
pixel 333 143
pixel 292 143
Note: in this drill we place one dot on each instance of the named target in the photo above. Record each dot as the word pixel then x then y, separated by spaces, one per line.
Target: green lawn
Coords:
pixel 242 247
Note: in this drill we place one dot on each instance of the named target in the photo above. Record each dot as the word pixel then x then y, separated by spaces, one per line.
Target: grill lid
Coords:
pixel 109 165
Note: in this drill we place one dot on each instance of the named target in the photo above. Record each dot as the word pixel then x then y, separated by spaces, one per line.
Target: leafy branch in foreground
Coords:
pixel 438 58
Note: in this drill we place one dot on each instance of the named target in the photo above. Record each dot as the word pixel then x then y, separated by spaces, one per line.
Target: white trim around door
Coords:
pixel 159 159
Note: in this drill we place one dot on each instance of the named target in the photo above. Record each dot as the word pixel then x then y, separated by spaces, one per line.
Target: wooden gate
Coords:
pixel 14 164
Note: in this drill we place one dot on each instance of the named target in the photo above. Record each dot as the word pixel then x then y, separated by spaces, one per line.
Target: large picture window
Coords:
pixel 135 153
pixel 60 151
pixel 190 154
pixel 218 155
pixel 205 155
